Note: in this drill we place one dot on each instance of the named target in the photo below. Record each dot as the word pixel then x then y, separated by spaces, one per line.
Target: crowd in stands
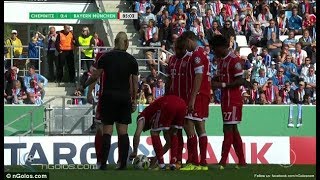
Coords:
pixel 282 71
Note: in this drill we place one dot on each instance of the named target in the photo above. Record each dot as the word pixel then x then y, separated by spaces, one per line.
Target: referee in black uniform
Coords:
pixel 118 99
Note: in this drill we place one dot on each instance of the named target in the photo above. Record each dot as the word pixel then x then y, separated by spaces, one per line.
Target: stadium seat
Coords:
pixel 288 14
pixel 259 50
pixel 245 51
pixel 283 37
pixel 241 40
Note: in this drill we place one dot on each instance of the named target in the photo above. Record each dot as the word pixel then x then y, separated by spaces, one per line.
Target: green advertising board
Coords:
pixel 259 120
pixel 12 112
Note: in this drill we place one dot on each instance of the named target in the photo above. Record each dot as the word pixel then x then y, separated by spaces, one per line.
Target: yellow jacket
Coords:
pixel 17 47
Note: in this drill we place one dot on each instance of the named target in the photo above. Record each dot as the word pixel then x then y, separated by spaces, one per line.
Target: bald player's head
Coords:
pixel 121 41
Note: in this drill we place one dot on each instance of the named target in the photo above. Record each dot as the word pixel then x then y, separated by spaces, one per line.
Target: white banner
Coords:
pixel 80 150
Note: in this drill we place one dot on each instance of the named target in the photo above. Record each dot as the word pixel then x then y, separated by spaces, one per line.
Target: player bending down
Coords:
pixel 229 79
pixel 165 114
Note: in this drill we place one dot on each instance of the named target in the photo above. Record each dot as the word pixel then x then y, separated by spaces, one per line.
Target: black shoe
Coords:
pixel 121 168
pixel 103 167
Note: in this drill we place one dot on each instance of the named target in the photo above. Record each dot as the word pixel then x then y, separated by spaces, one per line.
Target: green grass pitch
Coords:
pixel 250 172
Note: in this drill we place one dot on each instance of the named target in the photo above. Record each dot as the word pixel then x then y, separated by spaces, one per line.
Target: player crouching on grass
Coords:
pixel 229 79
pixel 164 114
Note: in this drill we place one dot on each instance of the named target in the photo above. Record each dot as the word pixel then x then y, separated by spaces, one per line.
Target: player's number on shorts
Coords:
pixel 227 116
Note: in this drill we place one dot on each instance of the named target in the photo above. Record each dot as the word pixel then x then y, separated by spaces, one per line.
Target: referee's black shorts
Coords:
pixel 115 110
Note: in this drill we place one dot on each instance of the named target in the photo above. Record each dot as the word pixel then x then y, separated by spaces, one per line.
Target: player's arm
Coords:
pixel 136 138
pixel 134 84
pixel 89 95
pixel 196 86
pixel 93 78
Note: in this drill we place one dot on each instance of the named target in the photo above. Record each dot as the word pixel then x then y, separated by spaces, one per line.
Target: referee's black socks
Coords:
pixel 106 143
pixel 123 149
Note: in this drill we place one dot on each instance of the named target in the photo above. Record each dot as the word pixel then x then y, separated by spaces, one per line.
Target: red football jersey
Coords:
pixel 181 77
pixel 199 54
pixel 165 110
pixel 229 68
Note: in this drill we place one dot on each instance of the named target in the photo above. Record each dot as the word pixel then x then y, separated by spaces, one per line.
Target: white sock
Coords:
pixel 291 111
pixel 161 165
pixel 299 111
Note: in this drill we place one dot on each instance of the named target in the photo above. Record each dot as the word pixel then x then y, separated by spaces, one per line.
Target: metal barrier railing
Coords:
pixel 12 58
pixel 131 51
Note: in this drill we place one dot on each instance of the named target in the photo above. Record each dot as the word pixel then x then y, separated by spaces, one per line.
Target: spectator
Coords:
pixel 307 100
pixel 305 67
pixel 287 93
pixel 309 22
pixel 77 101
pixel 150 99
pixel 280 78
pixel 295 22
pixel 271 91
pixel 254 93
pixel 263 99
pixel 313 53
pixel 274 45
pixel 145 87
pixel 217 96
pixel 300 92
pixel 247 75
pixel 202 41
pixel 266 57
pixel 272 28
pixel 181 28
pixel 253 56
pixel 237 26
pixel 40 38
pixel 144 21
pixel 186 5
pixel 245 8
pixel 262 79
pixel 291 70
pixel 16 95
pixel 272 71
pixel 152 54
pixel 311 80
pixel 153 76
pixel 196 27
pixel 162 16
pixel 265 16
pixel 278 100
pixel 256 35
pixel 159 89
pixel 14 48
pixel 150 30
pixel 227 30
pixel 248 23
pixel 180 15
pixel 165 33
pixel 282 22
pixel 217 7
pixel 191 17
pixel 34 92
pixel 300 54
pixel 257 65
pixel 10 76
pixel 65 46
pixel 202 7
pixel 97 43
pixel 33 53
pixel 207 20
pixel 51 53
pixel 140 7
pixel 305 7
pixel 223 18
pixel 40 81
pixel 306 42
pixel 213 31
pixel 172 8
pixel 233 46
pixel 291 41
pixel 284 53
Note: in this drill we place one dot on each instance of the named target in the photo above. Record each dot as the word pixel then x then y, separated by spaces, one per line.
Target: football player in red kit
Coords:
pixel 164 114
pixel 229 79
pixel 198 103
pixel 178 84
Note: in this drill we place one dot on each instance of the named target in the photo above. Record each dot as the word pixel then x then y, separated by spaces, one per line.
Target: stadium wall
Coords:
pixel 266 138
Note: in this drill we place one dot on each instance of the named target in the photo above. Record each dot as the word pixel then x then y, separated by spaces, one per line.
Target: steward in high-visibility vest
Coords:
pixel 86 41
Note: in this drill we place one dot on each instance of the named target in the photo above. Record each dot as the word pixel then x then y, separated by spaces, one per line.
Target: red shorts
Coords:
pixel 231 114
pixel 165 119
pixel 201 109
